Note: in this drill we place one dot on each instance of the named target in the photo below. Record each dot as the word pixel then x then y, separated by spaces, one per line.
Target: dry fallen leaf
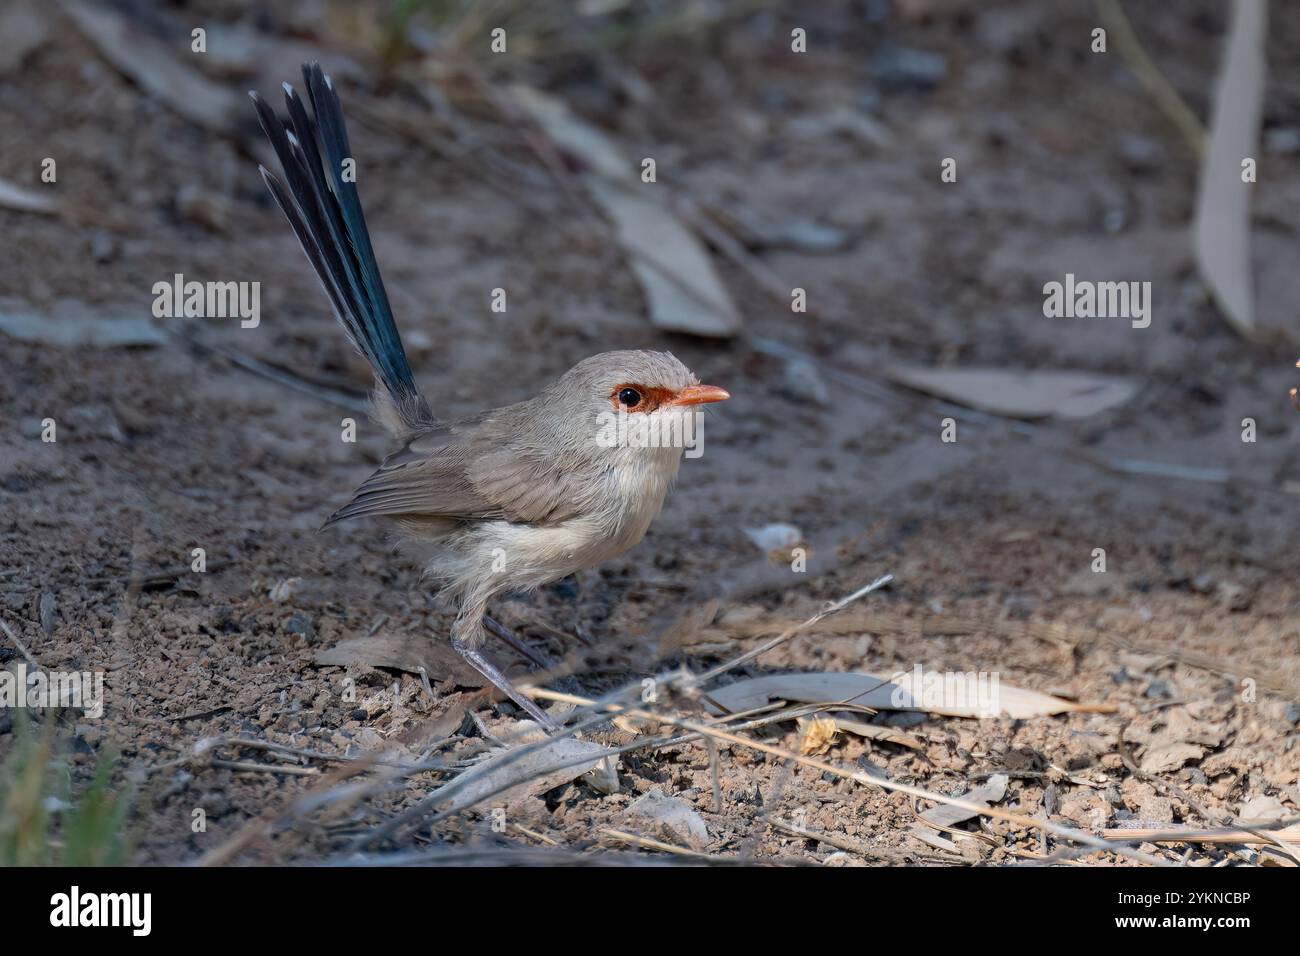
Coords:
pixel 70 327
pixel 991 792
pixel 889 735
pixel 1221 228
pixel 965 695
pixel 22 199
pixel 682 289
pixel 529 775
pixel 155 68
pixel 673 817
pixel 1021 394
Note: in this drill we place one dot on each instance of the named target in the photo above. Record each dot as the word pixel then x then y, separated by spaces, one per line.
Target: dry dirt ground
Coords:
pixel 1189 639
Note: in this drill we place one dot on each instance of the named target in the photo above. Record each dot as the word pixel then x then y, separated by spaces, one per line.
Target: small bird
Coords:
pixel 512 498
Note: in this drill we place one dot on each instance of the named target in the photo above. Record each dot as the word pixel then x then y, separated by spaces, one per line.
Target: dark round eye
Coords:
pixel 629 397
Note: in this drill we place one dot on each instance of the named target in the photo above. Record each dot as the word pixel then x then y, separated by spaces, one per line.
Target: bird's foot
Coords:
pixel 502 683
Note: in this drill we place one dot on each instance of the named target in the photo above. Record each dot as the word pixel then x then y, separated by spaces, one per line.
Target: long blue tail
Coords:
pixel 324 210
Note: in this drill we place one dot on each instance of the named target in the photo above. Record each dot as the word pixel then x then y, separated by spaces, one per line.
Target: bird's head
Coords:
pixel 633 400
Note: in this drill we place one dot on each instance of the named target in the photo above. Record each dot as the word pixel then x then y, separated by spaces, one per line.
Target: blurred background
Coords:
pixel 798 243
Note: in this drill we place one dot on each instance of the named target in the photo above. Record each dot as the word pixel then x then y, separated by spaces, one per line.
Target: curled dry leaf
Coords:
pixel 682 288
pixel 1221 228
pixel 945 817
pixel 1021 394
pixel 990 792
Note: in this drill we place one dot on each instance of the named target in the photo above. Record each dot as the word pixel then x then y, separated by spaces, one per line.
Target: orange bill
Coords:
pixel 700 395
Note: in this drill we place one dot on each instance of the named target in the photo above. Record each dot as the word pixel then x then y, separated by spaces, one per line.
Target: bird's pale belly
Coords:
pixel 535 555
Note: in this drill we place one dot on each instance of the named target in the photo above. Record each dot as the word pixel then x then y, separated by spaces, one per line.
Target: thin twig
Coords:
pixel 847 845
pixel 785 635
pixel 1192 835
pixel 1168 99
pixel 22 648
pixel 272 373
pixel 715 781
pixel 153 577
pixel 249 766
pixel 649 844
pixel 541 837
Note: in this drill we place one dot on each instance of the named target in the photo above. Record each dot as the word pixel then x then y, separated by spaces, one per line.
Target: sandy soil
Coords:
pixel 1066 165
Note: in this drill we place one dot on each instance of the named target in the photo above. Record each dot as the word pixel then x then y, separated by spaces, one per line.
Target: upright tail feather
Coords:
pixel 324 211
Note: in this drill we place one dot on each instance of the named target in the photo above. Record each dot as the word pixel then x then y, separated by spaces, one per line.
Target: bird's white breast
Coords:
pixel 632 495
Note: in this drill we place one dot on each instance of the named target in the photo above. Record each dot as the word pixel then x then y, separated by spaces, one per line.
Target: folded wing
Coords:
pixel 471 472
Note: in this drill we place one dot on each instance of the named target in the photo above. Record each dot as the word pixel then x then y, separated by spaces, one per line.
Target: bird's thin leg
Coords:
pixel 502 683
pixel 510 637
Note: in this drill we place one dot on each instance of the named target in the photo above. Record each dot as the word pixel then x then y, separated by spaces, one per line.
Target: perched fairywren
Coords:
pixel 514 497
